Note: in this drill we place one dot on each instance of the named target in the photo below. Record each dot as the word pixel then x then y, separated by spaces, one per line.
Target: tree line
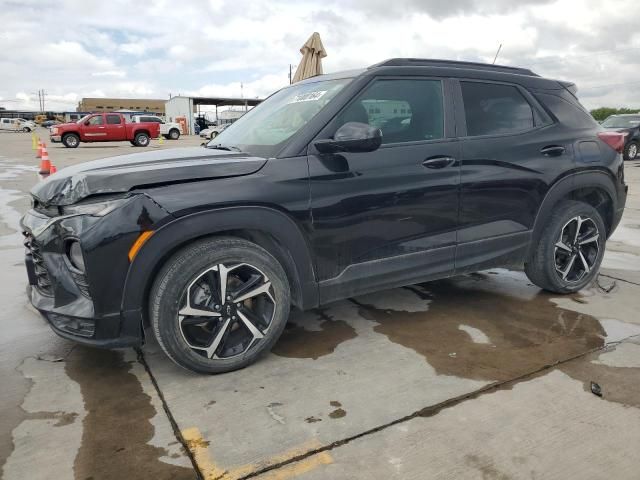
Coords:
pixel 603 112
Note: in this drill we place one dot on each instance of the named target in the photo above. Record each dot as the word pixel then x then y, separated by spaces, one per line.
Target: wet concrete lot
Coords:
pixel 479 376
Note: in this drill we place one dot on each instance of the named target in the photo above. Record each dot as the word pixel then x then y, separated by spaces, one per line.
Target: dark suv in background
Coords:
pixel 407 171
pixel 629 124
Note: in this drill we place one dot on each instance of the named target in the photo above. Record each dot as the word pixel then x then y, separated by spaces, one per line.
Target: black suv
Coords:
pixel 629 124
pixel 407 171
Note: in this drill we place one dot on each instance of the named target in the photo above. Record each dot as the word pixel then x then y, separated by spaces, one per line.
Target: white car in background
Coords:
pixel 212 132
pixel 17 125
pixel 170 130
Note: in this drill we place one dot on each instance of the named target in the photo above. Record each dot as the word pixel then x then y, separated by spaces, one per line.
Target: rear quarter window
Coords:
pixel 573 116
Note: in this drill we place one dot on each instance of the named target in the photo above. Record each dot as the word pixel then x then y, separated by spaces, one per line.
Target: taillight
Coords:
pixel 614 139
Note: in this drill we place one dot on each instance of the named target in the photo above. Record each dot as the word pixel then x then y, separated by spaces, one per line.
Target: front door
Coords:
pixel 387 217
pixel 94 129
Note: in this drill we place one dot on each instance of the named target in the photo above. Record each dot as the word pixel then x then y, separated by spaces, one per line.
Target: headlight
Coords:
pixel 97 209
pixel 75 255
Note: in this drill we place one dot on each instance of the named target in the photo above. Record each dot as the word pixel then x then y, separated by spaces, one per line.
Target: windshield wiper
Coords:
pixel 219 146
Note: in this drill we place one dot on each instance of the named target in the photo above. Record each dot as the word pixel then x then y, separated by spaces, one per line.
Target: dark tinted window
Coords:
pixel 150 119
pixel 113 119
pixel 569 114
pixel 405 110
pixel 492 109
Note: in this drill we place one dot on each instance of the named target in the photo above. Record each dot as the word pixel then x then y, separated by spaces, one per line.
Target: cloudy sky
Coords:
pixel 77 48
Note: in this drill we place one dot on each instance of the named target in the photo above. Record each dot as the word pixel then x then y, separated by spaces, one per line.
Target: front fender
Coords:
pixel 172 236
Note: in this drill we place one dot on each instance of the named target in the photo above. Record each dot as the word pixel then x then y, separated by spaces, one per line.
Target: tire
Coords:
pixel 550 267
pixel 141 140
pixel 631 150
pixel 174 134
pixel 213 135
pixel 183 340
pixel 132 143
pixel 26 129
pixel 71 140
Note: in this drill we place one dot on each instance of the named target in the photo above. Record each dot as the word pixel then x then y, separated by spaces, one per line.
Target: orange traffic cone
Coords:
pixel 45 164
pixel 39 150
pixel 53 170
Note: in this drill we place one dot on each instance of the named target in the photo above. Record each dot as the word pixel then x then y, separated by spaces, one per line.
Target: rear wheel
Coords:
pixel 570 250
pixel 631 151
pixel 218 304
pixel 71 140
pixel 141 139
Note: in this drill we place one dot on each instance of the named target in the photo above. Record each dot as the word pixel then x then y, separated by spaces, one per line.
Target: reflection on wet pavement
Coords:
pixel 312 335
pixel 490 326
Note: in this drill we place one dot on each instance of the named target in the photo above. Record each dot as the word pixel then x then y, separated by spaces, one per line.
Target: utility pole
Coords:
pixel 290 68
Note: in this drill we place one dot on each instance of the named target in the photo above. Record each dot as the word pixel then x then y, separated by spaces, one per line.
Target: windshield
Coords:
pixel 621 122
pixel 264 129
pixel 84 118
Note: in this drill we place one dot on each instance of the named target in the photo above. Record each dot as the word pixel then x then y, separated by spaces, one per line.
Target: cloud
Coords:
pixel 210 47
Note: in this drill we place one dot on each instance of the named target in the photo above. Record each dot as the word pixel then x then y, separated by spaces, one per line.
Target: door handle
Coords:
pixel 438 162
pixel 552 150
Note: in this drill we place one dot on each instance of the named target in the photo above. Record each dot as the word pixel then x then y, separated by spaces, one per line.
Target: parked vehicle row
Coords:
pixel 407 171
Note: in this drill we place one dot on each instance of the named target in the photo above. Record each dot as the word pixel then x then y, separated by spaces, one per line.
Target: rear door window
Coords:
pixel 494 109
pixel 113 120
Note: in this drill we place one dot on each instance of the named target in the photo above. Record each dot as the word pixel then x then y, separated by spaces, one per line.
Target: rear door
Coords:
pixel 115 127
pixel 387 217
pixel 94 129
pixel 511 152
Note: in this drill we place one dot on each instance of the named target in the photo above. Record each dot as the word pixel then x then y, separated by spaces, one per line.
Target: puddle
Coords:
pixel 9 216
pixel 617 372
pixel 312 335
pixel 117 429
pixel 488 327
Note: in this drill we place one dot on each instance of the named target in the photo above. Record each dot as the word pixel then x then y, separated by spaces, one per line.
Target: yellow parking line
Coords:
pixel 199 448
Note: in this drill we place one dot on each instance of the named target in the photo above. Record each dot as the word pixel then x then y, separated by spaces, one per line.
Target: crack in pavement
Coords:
pixel 438 407
pixel 170 417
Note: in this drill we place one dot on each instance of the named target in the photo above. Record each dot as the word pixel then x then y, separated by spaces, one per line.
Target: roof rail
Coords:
pixel 428 62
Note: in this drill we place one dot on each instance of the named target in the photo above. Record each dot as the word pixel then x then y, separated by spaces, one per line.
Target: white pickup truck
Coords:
pixel 170 131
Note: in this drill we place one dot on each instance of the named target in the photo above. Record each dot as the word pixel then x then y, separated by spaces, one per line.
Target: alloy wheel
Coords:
pixel 226 310
pixel 576 251
pixel 633 151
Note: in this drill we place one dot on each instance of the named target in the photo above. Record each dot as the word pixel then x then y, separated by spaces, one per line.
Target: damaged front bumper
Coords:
pixel 84 304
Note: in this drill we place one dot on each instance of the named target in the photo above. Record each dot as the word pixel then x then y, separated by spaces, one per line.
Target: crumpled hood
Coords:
pixel 126 172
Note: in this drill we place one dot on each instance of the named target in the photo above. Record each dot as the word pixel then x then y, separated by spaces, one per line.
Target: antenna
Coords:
pixel 497 53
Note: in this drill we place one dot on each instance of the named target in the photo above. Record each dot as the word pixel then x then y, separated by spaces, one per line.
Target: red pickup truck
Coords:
pixel 104 127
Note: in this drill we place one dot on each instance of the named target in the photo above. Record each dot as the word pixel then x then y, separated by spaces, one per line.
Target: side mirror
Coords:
pixel 87 123
pixel 352 137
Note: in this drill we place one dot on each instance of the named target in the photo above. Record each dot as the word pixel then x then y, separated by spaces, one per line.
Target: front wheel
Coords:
pixel 174 134
pixel 631 151
pixel 569 252
pixel 26 129
pixel 218 304
pixel 71 140
pixel 141 139
pixel 213 135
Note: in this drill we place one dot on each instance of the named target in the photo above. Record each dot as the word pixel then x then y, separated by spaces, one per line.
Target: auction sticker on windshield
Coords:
pixel 308 97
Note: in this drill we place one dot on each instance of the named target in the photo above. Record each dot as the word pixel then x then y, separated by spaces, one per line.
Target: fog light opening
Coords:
pixel 74 252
